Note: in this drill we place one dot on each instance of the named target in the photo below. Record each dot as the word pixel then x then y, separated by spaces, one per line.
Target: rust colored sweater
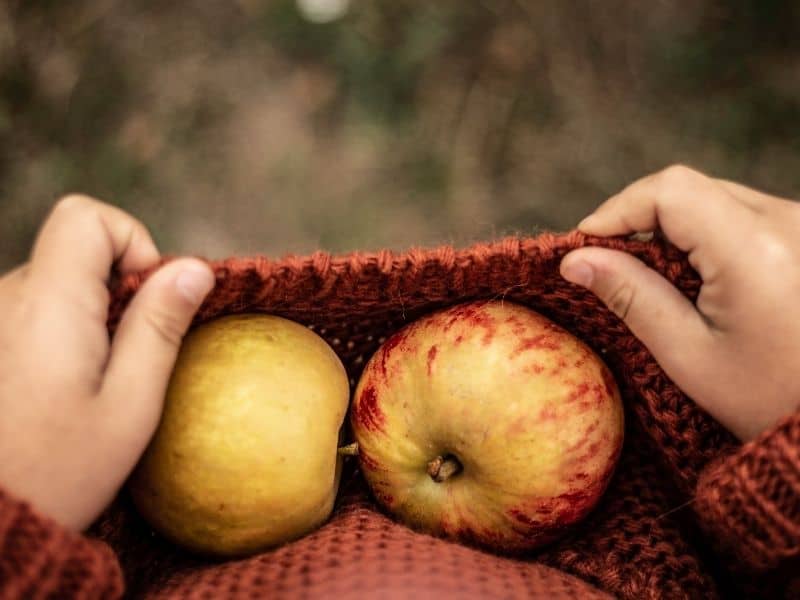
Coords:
pixel 689 513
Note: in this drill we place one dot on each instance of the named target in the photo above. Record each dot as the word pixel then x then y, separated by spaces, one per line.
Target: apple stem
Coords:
pixel 348 450
pixel 443 468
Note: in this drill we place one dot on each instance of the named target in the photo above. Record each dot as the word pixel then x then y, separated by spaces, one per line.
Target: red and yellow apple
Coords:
pixel 487 423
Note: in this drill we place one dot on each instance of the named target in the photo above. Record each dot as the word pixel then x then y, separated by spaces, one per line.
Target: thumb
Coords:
pixel 149 336
pixel 652 308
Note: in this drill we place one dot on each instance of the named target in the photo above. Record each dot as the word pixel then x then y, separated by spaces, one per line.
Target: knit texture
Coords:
pixel 649 537
pixel 752 499
pixel 39 559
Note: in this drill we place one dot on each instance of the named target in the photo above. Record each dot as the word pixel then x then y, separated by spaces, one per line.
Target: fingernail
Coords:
pixel 578 272
pixel 194 282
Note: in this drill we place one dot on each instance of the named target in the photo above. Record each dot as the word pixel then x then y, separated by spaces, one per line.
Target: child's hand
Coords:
pixel 737 351
pixel 75 411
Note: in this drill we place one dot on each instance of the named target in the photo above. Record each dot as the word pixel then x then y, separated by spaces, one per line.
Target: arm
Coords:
pixel 749 502
pixel 41 559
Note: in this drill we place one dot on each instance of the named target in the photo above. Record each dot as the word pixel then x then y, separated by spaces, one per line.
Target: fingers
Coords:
pixel 82 238
pixel 694 212
pixel 657 313
pixel 147 340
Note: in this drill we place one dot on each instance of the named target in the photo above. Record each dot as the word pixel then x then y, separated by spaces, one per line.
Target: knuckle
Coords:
pixel 621 299
pixel 74 210
pixel 140 232
pixel 73 203
pixel 678 175
pixel 165 326
pixel 674 186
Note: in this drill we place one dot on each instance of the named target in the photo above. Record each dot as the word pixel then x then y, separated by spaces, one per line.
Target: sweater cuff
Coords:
pixel 750 501
pixel 41 559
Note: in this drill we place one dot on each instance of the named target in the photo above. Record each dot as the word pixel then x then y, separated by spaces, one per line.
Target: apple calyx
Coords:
pixel 444 467
pixel 348 450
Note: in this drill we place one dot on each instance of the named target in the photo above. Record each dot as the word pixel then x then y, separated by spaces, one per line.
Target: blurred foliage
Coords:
pixel 242 127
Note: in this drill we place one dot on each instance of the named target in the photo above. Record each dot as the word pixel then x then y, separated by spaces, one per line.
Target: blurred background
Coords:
pixel 277 126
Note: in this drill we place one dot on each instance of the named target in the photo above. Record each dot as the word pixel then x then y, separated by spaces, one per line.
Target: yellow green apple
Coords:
pixel 245 456
pixel 487 423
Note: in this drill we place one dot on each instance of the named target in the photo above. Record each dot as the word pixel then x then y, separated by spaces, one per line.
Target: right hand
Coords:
pixel 736 351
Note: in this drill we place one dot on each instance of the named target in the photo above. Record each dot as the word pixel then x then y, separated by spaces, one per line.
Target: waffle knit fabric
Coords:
pixel 690 513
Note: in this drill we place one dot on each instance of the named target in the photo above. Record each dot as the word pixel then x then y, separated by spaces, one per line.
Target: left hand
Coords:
pixel 76 411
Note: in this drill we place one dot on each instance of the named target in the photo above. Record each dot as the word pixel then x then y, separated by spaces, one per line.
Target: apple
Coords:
pixel 245 456
pixel 489 424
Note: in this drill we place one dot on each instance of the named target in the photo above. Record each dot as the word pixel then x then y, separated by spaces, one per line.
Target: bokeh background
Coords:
pixel 285 126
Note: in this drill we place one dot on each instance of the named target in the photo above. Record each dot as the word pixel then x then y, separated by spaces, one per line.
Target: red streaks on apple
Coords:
pixel 574 506
pixel 517 325
pixel 550 326
pixel 533 369
pixel 522 517
pixel 578 445
pixel 555 402
pixel 578 392
pixel 367 412
pixel 561 364
pixel 431 358
pixel 472 316
pixel 591 453
pixel 588 395
pixel 395 341
pixel 548 413
pixel 584 438
pixel 544 515
pixel 542 341
pixel 367 461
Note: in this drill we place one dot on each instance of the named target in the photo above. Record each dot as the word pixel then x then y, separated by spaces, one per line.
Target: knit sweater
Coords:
pixel 689 513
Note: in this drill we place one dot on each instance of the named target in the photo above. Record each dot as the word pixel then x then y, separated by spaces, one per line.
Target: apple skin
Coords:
pixel 245 456
pixel 528 417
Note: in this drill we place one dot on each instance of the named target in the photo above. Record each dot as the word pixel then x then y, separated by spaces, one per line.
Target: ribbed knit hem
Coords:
pixel 41 559
pixel 750 501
